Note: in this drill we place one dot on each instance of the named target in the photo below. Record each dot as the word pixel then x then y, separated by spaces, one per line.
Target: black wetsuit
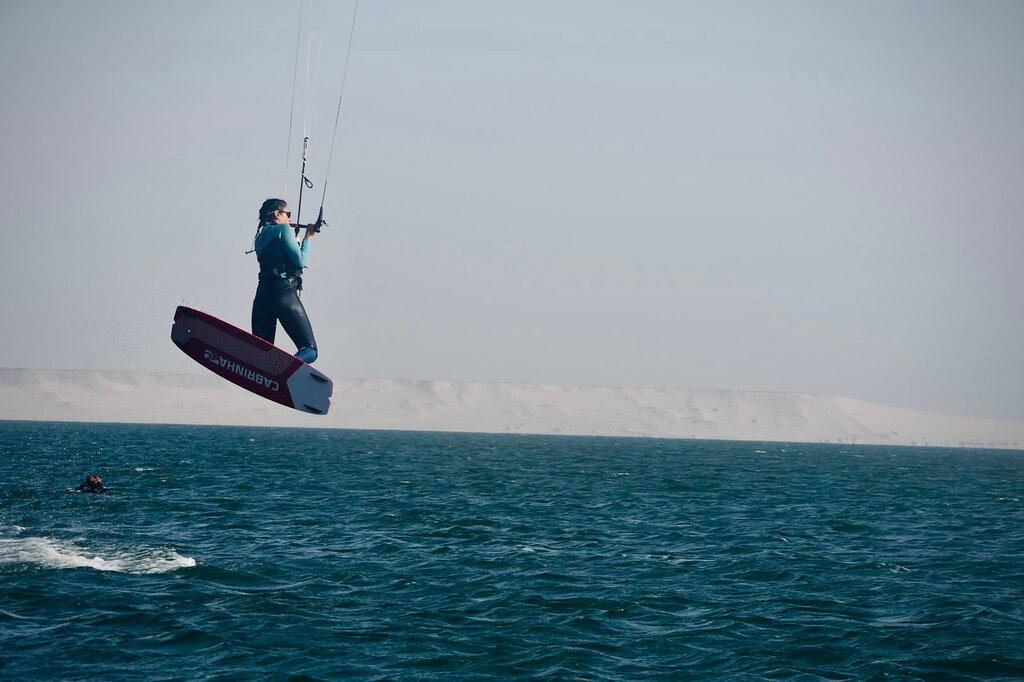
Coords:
pixel 92 488
pixel 277 296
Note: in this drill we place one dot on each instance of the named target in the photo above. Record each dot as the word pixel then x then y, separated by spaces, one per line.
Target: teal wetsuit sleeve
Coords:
pixel 296 256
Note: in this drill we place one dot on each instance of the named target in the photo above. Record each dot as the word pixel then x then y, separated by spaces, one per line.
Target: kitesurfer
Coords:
pixel 281 262
pixel 93 484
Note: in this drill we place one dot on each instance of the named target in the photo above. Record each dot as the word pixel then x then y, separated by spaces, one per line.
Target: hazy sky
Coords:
pixel 786 196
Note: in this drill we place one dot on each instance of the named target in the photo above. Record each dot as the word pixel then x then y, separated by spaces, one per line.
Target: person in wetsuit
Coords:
pixel 93 484
pixel 277 296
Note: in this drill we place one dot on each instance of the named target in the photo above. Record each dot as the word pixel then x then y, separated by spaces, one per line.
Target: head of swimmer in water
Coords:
pixel 93 479
pixel 274 212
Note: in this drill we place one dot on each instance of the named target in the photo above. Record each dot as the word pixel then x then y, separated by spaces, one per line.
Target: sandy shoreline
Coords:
pixel 140 397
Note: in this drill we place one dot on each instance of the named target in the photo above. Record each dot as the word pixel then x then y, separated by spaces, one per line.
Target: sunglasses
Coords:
pixel 287 213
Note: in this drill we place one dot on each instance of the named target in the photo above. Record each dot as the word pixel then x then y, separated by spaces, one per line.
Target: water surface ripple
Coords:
pixel 241 553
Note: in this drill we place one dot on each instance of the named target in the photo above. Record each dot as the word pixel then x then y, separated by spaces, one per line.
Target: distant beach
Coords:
pixel 140 397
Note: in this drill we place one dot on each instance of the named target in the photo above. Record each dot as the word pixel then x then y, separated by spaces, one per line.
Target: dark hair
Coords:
pixel 268 208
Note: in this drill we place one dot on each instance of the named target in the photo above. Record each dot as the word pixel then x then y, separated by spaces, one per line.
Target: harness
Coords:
pixel 275 265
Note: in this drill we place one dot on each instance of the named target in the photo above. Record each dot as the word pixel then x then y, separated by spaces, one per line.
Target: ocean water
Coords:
pixel 245 553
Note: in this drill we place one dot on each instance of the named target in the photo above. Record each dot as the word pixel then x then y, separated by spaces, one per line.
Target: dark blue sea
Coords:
pixel 277 554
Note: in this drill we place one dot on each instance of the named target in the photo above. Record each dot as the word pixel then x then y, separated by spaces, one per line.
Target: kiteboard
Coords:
pixel 250 362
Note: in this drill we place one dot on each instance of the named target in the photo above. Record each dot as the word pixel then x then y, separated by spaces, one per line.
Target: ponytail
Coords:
pixel 267 210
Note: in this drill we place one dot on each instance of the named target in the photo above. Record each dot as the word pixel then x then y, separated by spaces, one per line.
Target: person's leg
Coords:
pixel 264 319
pixel 296 324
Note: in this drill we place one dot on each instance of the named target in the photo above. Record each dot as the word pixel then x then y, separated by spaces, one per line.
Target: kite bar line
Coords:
pixel 305 183
pixel 291 113
pixel 341 96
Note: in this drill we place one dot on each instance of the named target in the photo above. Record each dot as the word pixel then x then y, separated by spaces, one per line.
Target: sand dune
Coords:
pixel 136 397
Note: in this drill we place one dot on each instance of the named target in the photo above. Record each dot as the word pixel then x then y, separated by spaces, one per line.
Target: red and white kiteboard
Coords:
pixel 250 362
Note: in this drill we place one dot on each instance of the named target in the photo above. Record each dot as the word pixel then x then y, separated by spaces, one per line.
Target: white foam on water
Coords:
pixel 61 554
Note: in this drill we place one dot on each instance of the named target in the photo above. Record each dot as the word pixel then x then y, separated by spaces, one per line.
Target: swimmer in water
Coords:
pixel 93 484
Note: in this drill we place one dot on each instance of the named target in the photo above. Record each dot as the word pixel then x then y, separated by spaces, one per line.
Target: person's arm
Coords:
pixel 296 255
